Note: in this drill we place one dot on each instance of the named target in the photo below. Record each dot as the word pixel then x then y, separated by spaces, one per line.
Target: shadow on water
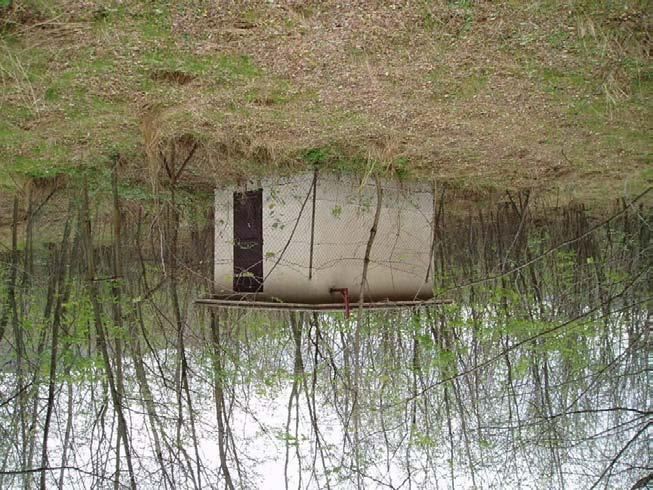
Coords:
pixel 535 376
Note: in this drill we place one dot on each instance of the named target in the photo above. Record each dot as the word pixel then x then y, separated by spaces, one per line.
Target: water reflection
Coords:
pixel 535 377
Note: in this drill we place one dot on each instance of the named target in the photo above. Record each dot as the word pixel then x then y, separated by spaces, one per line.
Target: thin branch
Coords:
pixel 620 453
pixel 552 249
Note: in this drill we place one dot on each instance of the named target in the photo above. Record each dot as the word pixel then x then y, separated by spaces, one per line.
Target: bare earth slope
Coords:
pixel 482 95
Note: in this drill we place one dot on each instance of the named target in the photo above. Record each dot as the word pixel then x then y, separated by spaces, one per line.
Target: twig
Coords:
pixel 618 456
pixel 530 339
pixel 552 249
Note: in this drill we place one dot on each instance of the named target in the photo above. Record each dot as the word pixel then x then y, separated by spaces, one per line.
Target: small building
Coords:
pixel 303 240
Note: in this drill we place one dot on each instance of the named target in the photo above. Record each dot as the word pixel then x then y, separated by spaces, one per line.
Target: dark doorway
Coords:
pixel 248 241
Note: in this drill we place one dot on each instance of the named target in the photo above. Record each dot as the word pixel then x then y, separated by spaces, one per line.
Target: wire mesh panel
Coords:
pixel 316 231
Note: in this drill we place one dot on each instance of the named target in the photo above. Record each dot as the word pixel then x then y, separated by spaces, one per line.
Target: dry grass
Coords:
pixel 550 95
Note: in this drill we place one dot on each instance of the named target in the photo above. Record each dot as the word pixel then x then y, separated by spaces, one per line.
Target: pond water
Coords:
pixel 535 376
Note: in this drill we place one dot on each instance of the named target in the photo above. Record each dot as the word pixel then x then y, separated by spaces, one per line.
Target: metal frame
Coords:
pixel 254 304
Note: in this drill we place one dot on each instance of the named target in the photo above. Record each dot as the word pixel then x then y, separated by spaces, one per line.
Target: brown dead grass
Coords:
pixel 457 89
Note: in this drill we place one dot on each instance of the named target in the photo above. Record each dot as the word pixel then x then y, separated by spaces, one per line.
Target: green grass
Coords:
pixel 447 86
pixel 334 157
pixel 56 116
pixel 222 68
pixel 74 96
pixel 557 81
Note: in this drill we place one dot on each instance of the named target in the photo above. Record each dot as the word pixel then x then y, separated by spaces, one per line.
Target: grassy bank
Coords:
pixel 484 97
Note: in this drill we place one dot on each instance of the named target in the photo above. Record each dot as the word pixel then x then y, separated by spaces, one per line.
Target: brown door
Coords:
pixel 248 241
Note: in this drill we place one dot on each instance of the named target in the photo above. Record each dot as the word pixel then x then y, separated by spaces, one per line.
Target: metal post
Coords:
pixel 345 297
